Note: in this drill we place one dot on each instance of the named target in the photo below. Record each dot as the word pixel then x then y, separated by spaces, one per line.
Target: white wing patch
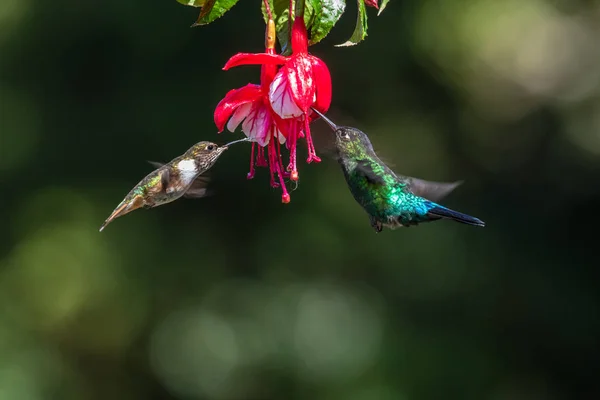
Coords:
pixel 188 171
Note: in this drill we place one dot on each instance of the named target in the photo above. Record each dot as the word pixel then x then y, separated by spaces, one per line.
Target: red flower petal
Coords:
pixel 233 100
pixel 254 59
pixel 322 79
pixel 300 77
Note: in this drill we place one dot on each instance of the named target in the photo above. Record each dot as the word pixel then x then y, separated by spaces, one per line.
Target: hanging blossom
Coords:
pixel 251 107
pixel 302 82
pixel 372 3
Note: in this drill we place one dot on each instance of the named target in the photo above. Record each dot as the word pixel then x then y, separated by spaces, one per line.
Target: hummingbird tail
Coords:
pixel 443 212
pixel 122 209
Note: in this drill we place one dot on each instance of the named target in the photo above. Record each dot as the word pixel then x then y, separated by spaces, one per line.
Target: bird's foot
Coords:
pixel 377 225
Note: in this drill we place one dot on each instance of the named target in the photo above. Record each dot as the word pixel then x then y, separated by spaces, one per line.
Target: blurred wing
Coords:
pixel 433 191
pixel 364 169
pixel 156 164
pixel 329 152
pixel 324 141
pixel 198 188
pixel 165 177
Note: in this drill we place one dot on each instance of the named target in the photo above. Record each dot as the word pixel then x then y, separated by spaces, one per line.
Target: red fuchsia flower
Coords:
pixel 372 3
pixel 250 106
pixel 302 82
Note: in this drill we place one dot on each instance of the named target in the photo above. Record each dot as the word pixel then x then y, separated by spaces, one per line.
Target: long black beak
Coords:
pixel 236 141
pixel 333 126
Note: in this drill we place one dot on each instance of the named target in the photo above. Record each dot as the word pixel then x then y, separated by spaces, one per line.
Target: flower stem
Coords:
pixel 290 20
pixel 299 12
pixel 268 9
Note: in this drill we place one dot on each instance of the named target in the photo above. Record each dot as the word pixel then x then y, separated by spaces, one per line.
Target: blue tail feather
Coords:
pixel 443 212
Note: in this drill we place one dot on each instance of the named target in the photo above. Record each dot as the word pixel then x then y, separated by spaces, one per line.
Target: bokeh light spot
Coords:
pixel 195 352
pixel 337 334
pixel 20 127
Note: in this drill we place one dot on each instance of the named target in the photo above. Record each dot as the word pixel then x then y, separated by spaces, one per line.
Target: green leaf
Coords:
pixel 319 16
pixel 213 9
pixel 192 3
pixel 325 18
pixel 360 31
pixel 382 7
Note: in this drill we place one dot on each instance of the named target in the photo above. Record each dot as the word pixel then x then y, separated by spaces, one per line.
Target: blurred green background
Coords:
pixel 238 296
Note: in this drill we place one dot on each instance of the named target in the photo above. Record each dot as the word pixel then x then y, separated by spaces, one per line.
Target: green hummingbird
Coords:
pixel 390 200
pixel 170 181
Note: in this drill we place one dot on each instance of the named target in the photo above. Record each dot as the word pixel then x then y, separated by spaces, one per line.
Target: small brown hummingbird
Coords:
pixel 170 181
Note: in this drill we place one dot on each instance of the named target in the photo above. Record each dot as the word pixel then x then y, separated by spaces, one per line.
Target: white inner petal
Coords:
pixel 256 126
pixel 237 117
pixel 280 96
pixel 280 136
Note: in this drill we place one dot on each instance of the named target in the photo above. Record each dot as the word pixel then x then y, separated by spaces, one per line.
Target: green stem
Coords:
pixel 290 20
pixel 300 8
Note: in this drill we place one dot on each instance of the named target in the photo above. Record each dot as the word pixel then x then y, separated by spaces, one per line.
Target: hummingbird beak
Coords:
pixel 236 141
pixel 333 126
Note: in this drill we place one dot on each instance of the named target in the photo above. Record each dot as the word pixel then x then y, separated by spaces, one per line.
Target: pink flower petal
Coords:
pixel 257 125
pixel 238 116
pixel 281 98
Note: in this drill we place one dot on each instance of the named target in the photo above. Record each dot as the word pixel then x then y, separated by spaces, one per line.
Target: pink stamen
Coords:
pixel 279 159
pixel 312 154
pixel 293 141
pixel 272 168
pixel 285 196
pixel 260 159
pixel 251 173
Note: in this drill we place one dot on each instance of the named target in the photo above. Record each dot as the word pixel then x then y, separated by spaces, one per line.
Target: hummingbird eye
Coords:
pixel 210 147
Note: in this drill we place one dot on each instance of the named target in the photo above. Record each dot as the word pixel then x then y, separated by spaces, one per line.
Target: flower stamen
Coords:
pixel 293 140
pixel 251 173
pixel 275 169
pixel 312 153
pixel 261 161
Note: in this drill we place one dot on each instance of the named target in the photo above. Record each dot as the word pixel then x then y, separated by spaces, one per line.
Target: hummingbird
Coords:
pixel 391 200
pixel 170 181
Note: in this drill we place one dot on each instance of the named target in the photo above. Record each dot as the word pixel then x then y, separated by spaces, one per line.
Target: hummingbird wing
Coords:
pixel 198 188
pixel 156 164
pixel 432 191
pixel 365 168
